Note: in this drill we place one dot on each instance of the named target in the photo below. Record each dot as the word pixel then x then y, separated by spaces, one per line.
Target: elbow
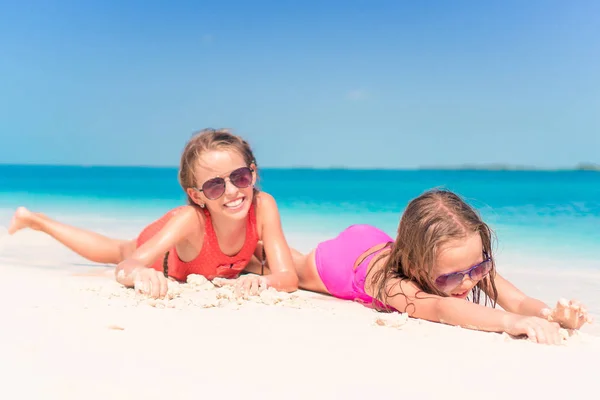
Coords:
pixel 433 309
pixel 294 282
pixel 290 282
pixel 444 310
pixel 284 282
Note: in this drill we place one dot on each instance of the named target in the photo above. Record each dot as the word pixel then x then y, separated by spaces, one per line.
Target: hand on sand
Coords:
pixel 245 285
pixel 569 314
pixel 150 282
pixel 537 329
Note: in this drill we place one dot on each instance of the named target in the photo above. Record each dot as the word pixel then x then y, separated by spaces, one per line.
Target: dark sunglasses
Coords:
pixel 476 272
pixel 215 187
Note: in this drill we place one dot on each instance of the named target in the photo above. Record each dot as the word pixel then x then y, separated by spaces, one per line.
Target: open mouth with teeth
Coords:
pixel 233 204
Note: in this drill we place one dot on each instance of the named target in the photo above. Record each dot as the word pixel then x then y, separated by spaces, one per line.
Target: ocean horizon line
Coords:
pixel 466 167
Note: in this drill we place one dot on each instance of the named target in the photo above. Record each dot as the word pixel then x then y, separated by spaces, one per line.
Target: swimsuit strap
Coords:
pixel 166 265
pixel 365 256
pixel 263 261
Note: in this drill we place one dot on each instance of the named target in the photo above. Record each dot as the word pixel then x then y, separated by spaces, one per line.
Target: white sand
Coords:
pixel 76 337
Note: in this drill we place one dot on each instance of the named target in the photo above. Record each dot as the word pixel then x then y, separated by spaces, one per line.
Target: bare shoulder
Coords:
pixel 267 214
pixel 265 200
pixel 266 206
pixel 188 217
pixel 187 212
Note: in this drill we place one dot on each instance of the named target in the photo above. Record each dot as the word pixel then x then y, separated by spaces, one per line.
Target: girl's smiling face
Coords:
pixel 235 201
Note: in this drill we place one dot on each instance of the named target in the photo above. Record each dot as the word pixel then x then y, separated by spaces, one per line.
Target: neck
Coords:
pixel 226 227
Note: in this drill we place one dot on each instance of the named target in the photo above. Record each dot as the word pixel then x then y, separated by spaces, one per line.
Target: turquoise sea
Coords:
pixel 540 213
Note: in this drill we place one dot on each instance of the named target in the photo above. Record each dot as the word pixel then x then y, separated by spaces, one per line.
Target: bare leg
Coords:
pixel 306 269
pixel 308 275
pixel 90 245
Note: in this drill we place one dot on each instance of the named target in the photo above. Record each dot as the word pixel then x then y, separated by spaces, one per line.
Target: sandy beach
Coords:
pixel 71 332
pixel 115 113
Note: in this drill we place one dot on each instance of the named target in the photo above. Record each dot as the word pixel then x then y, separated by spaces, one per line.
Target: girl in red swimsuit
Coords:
pixel 215 235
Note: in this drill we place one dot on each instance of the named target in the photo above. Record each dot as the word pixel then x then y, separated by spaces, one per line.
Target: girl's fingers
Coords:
pixel 154 289
pixel 562 302
pixel 546 312
pixel 531 334
pixel 164 286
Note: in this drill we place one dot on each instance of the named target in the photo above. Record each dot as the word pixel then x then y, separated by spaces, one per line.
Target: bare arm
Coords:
pixel 569 314
pixel 405 295
pixel 513 300
pixel 178 228
pixel 283 274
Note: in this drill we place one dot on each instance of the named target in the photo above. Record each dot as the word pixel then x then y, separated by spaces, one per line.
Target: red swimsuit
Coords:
pixel 210 262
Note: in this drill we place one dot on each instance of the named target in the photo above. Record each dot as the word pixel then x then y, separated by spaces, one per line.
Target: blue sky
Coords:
pixel 372 83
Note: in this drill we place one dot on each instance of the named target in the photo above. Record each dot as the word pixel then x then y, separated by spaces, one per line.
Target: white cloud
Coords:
pixel 356 95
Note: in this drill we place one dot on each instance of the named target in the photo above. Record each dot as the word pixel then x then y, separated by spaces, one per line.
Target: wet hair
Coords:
pixel 208 140
pixel 430 221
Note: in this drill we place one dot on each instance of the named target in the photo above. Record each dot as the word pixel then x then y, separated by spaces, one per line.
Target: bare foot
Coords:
pixel 23 218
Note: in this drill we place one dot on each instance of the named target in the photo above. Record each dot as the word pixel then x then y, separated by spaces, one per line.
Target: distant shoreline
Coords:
pixel 506 167
pixel 466 167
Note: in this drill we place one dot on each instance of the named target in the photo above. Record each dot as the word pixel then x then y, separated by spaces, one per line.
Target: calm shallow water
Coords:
pixel 555 214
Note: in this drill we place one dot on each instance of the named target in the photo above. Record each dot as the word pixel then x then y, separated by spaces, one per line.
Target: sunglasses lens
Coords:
pixel 214 188
pixel 242 177
pixel 481 270
pixel 447 282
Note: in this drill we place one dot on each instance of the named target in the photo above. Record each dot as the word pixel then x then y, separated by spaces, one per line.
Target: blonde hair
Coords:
pixel 429 221
pixel 207 140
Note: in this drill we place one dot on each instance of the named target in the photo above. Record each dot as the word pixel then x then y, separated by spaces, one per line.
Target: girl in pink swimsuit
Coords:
pixel 215 235
pixel 342 262
pixel 441 257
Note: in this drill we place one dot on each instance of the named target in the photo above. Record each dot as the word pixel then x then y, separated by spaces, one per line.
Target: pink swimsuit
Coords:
pixel 335 259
